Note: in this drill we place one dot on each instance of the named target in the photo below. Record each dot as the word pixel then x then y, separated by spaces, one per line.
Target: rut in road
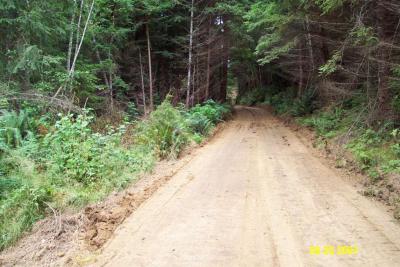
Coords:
pixel 254 196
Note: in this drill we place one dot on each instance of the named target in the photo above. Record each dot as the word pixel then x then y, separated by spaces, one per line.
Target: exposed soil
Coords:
pixel 332 151
pixel 257 195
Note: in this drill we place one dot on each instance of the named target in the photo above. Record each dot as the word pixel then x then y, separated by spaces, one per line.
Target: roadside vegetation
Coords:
pixel 55 164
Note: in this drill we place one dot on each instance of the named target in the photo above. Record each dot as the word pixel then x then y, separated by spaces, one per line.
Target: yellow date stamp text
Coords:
pixel 333 250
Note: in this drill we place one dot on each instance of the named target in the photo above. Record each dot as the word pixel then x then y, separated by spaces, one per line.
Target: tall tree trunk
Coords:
pixel 384 109
pixel 151 104
pixel 142 83
pixel 111 92
pixel 225 59
pixel 111 69
pixel 197 80
pixel 189 76
pixel 309 44
pixel 99 59
pixel 301 73
pixel 193 85
pixel 207 93
pixel 78 25
pixel 71 37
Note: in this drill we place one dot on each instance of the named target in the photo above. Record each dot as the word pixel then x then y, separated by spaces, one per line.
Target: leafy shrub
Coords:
pixel 326 123
pixel 363 148
pixel 396 150
pixel 202 118
pixel 363 155
pixel 166 130
pixel 71 165
pixel 74 152
pixel 304 105
pixel 281 101
pixel 199 123
pixel 391 166
pixel 132 111
pixel 213 110
pixel 286 102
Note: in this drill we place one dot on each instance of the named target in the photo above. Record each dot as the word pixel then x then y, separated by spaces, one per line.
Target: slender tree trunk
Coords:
pixel 193 84
pixel 81 40
pixel 225 59
pixel 71 37
pixel 301 73
pixel 309 43
pixel 72 69
pixel 197 82
pixel 99 59
pixel 189 76
pixel 207 93
pixel 110 79
pixel 142 83
pixel 151 104
pixel 384 109
pixel 384 94
pixel 323 47
pixel 78 26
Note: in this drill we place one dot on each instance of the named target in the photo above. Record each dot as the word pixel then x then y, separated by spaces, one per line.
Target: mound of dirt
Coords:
pixel 103 218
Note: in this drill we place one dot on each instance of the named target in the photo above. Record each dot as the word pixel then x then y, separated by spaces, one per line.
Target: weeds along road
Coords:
pixel 255 196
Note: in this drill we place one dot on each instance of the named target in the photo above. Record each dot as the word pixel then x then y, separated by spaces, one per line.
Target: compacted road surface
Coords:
pixel 255 196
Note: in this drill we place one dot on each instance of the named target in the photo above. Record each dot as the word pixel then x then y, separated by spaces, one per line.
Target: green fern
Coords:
pixel 14 127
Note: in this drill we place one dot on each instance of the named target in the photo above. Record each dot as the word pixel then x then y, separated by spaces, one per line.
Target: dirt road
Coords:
pixel 255 196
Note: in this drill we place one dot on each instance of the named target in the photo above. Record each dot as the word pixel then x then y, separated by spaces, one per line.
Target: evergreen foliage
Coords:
pixel 324 60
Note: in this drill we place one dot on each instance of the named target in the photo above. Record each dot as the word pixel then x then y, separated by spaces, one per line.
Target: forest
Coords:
pixel 87 86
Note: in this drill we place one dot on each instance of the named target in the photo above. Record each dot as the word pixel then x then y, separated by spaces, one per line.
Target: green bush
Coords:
pixel 202 118
pixel 286 102
pixel 325 123
pixel 199 123
pixel 72 165
pixel 73 151
pixel 166 131
pixel 304 105
pixel 132 111
pixel 281 101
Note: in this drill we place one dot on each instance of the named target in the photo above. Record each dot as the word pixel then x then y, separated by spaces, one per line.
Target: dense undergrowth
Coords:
pixel 375 148
pixel 47 166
